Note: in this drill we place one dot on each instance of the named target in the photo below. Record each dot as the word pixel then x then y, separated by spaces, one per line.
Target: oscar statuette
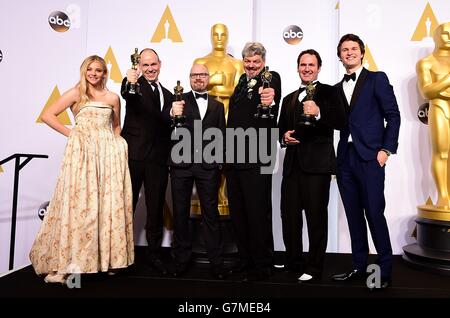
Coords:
pixel 134 88
pixel 308 119
pixel 431 251
pixel 264 111
pixel 178 120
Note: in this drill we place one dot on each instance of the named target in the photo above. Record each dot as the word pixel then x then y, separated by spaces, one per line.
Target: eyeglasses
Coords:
pixel 201 75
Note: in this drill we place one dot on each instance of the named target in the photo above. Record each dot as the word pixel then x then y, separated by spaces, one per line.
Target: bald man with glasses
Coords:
pixel 202 111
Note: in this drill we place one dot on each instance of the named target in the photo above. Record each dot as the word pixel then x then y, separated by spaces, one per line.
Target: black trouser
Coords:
pixel 207 184
pixel 154 177
pixel 309 192
pixel 361 185
pixel 250 201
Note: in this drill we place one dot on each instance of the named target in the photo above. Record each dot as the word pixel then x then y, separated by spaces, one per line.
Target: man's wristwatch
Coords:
pixel 388 153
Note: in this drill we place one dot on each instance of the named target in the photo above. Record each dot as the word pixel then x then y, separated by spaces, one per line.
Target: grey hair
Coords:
pixel 254 48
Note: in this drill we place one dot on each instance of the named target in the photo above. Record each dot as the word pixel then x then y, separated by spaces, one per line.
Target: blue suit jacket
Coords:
pixel 373 103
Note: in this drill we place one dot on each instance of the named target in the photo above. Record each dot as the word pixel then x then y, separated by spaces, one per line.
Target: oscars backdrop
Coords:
pixel 42 47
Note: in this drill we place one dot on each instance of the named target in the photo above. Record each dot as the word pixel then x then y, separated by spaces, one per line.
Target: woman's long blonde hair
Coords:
pixel 82 85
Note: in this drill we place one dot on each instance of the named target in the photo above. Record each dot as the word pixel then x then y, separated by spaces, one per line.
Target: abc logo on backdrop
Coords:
pixel 292 34
pixel 59 21
pixel 42 211
pixel 422 113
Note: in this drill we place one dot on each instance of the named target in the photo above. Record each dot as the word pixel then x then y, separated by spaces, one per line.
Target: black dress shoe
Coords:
pixel 385 283
pixel 178 269
pixel 158 266
pixel 349 276
pixel 240 267
pixel 220 272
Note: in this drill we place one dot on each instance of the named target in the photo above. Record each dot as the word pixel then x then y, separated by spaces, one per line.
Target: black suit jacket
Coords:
pixel 241 115
pixel 146 127
pixel 214 118
pixel 315 152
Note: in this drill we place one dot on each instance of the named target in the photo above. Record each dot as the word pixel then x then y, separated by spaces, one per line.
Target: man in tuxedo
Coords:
pixel 308 165
pixel 198 109
pixel 249 186
pixel 147 131
pixel 364 147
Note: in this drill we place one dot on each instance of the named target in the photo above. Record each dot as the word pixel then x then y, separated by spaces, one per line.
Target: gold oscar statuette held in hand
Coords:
pixel 308 119
pixel 178 120
pixel 134 88
pixel 265 111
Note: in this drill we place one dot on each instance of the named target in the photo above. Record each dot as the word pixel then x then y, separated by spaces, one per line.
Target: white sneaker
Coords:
pixel 305 277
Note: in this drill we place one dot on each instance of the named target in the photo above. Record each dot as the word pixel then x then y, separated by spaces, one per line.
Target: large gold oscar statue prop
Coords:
pixel 224 70
pixel 432 250
pixel 224 73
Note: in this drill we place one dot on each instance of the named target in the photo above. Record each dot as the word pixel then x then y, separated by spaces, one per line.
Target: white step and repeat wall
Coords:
pixel 38 63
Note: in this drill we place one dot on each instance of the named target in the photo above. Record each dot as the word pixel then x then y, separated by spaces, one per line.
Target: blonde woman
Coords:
pixel 88 225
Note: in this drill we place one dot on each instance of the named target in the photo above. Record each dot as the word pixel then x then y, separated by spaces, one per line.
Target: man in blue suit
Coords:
pixel 364 147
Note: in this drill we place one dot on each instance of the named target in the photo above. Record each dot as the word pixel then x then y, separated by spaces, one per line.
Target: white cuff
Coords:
pixel 318 115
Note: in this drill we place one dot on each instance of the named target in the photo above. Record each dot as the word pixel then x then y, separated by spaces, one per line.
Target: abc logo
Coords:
pixel 292 34
pixel 59 21
pixel 42 211
pixel 422 113
pixel 1 55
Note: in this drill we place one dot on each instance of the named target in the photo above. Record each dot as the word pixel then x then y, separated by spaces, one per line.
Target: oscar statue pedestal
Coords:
pixel 432 250
pixel 198 239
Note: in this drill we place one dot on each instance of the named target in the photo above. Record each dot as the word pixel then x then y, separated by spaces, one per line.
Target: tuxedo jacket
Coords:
pixel 146 127
pixel 242 108
pixel 213 118
pixel 315 152
pixel 373 117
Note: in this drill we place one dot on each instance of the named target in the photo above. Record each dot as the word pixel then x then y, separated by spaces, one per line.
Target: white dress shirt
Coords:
pixel 202 104
pixel 348 88
pixel 161 96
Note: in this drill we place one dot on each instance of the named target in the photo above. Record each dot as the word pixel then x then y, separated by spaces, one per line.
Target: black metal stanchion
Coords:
pixel 17 168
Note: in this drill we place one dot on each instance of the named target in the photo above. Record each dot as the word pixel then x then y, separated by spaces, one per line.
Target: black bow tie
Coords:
pixel 350 77
pixel 197 95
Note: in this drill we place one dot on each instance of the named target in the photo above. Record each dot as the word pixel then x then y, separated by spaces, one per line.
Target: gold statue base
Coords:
pixel 198 242
pixel 196 209
pixel 433 212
